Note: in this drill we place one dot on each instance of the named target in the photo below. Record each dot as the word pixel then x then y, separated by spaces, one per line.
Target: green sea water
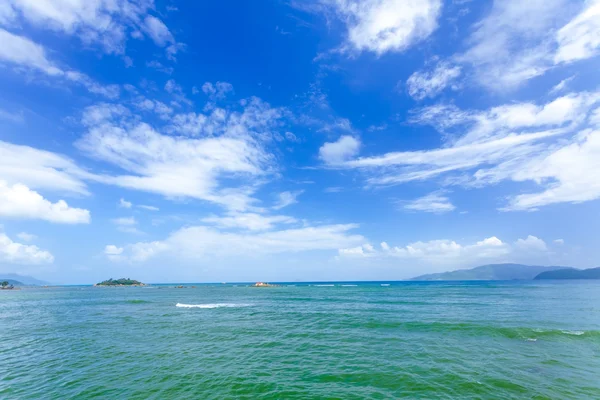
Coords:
pixel 494 340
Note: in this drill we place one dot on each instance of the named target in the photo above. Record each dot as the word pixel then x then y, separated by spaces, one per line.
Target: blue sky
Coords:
pixel 295 140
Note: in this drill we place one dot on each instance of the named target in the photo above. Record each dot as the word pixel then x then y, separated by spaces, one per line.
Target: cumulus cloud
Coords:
pixel 449 253
pixel 531 243
pixel 381 26
pixel 339 151
pixel 18 201
pixel 113 252
pixel 199 242
pixel 18 253
pixel 437 251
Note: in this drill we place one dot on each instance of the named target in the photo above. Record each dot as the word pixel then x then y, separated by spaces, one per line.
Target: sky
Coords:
pixel 296 140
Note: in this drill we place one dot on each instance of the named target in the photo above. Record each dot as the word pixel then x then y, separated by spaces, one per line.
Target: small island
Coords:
pixel 120 282
pixel 263 284
pixel 8 285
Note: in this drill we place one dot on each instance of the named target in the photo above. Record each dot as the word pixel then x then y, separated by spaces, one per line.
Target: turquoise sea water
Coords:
pixel 496 340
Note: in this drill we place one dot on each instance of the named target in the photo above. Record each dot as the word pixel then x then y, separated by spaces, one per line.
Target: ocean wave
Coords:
pixel 324 285
pixel 348 285
pixel 576 333
pixel 212 305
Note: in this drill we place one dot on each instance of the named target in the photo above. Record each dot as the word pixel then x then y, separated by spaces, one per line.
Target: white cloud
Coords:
pixel 108 91
pixel 218 91
pixel 26 237
pixel 287 198
pixel 18 201
pixel 124 221
pixel 25 53
pixel 561 86
pixel 94 22
pixel 337 125
pixel 113 252
pixel 127 225
pixel 437 251
pixel 157 65
pixel 434 202
pixel 178 166
pixel 366 250
pixel 149 208
pixel 551 145
pixel 570 173
pixel 337 152
pixel 531 243
pixel 12 116
pixel 248 221
pixel 157 30
pixel 447 254
pixel 519 40
pixel 559 241
pixel 422 84
pixel 124 203
pixel 512 44
pixel 382 26
pixel 198 242
pixel 580 38
pixel 17 253
pixel 160 108
pixel 39 169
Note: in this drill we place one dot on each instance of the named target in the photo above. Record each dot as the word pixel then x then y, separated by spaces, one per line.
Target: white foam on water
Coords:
pixel 385 284
pixel 211 305
pixel 348 285
pixel 576 333
pixel 325 285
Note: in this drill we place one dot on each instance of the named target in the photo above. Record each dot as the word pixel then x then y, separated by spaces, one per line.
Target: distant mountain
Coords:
pixel 569 273
pixel 491 272
pixel 23 279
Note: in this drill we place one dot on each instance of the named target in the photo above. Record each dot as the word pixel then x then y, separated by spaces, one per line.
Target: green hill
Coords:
pixel 491 272
pixel 569 273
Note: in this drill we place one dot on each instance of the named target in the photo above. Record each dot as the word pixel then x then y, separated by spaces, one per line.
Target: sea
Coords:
pixel 343 340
